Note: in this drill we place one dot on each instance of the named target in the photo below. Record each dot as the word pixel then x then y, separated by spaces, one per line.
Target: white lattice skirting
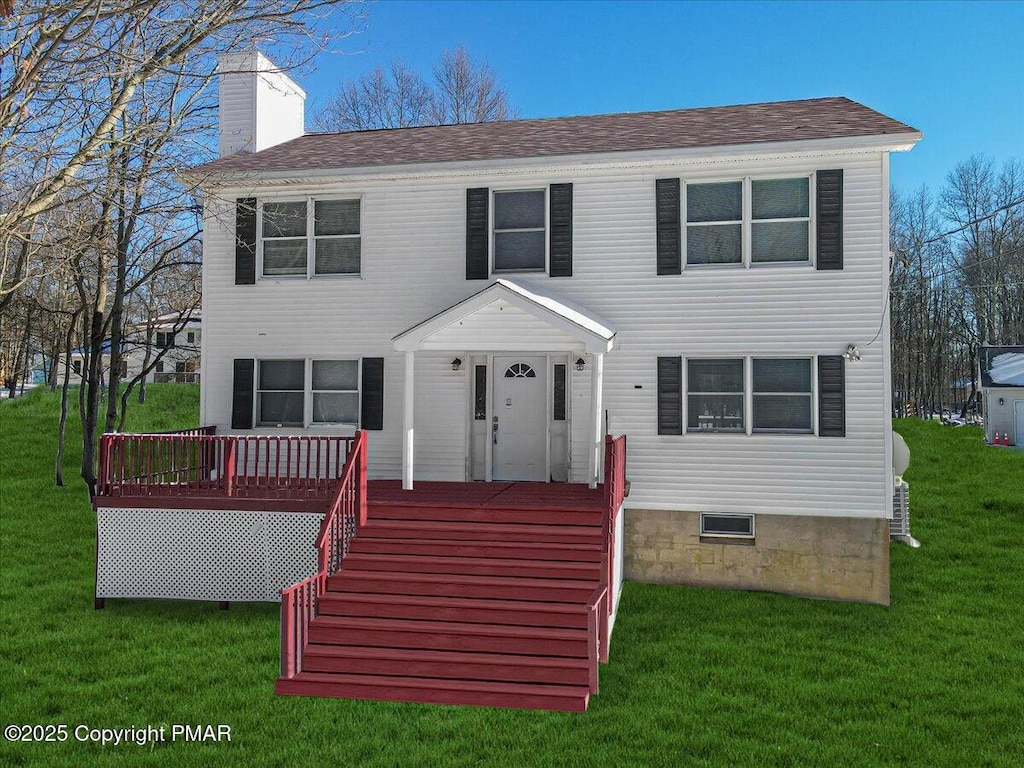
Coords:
pixel 203 554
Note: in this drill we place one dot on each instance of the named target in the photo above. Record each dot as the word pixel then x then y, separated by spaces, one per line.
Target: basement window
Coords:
pixel 726 526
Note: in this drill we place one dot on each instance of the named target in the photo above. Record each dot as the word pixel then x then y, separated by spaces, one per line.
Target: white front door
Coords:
pixel 520 419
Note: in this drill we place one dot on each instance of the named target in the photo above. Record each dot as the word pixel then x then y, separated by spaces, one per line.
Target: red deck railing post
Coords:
pixel 229 468
pixel 361 450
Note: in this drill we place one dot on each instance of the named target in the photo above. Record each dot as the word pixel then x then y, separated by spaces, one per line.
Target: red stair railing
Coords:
pixel 345 515
pixel 614 493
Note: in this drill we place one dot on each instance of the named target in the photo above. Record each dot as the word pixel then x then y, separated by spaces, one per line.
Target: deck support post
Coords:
pixel 407 425
pixel 596 408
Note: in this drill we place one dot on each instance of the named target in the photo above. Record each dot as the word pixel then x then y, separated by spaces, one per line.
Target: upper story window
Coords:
pixel 520 231
pixel 191 337
pixel 164 340
pixel 310 238
pixel 749 221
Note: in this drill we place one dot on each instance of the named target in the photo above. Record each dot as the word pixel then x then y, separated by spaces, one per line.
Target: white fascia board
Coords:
pixel 252 180
pixel 593 336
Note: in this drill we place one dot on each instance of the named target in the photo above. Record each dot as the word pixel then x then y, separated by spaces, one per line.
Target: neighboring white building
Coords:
pixel 179 341
pixel 1002 380
pixel 490 299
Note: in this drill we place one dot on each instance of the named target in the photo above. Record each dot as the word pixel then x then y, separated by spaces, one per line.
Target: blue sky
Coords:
pixel 953 70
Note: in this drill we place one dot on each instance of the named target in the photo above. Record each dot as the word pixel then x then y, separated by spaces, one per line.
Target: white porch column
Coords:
pixel 407 424
pixel 596 431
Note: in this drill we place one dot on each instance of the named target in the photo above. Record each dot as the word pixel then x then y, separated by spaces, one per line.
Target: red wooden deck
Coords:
pixel 493 594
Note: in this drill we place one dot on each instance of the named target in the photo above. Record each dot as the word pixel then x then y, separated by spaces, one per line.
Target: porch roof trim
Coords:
pixel 594 334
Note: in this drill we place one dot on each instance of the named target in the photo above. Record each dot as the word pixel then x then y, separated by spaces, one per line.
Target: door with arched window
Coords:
pixel 519 428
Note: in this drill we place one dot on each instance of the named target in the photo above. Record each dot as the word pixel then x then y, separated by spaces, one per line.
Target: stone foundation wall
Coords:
pixel 841 558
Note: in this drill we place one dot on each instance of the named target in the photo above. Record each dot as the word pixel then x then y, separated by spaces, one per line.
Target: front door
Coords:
pixel 519 427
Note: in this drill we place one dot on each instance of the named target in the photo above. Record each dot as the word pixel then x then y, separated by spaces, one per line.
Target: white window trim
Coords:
pixel 730 534
pixel 748 396
pixel 307 394
pixel 309 237
pixel 492 231
pixel 746 223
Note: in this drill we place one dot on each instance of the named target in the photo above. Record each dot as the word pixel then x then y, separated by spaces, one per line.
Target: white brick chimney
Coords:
pixel 260 106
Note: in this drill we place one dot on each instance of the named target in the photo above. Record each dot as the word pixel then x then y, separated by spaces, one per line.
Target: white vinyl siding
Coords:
pixel 416 229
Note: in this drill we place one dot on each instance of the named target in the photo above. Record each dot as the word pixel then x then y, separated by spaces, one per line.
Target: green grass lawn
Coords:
pixel 697 676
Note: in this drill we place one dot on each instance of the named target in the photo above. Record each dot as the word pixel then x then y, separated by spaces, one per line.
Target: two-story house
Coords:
pixel 487 302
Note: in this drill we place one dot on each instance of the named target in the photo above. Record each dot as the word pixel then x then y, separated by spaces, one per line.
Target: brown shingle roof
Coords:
pixel 827 118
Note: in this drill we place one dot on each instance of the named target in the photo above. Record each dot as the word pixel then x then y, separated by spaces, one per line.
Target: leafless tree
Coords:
pixel 397 97
pixel 102 106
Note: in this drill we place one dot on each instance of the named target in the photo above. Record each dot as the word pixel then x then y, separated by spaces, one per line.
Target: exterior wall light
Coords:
pixel 457 364
pixel 852 353
pixel 580 363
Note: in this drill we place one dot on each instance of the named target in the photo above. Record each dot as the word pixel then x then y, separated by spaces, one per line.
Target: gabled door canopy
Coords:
pixel 463 326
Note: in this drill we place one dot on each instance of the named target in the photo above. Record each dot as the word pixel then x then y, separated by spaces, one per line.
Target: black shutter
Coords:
pixel 670 241
pixel 670 396
pixel 560 201
pixel 242 388
pixel 831 396
pixel 373 393
pixel 829 223
pixel 245 241
pixel 476 233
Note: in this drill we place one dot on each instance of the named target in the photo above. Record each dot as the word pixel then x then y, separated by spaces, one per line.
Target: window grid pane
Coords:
pixel 780 198
pixel 284 257
pixel 714 413
pixel 281 408
pixel 336 217
pixel 336 407
pixel 336 375
pixel 282 375
pixel 714 244
pixel 714 202
pixel 337 256
pixel 519 250
pixel 519 210
pixel 284 220
pixel 779 241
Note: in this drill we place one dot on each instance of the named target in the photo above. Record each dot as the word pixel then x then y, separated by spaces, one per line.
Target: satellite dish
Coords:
pixel 900 454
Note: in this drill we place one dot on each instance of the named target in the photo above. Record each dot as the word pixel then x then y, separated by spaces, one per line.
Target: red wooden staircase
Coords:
pixel 499 600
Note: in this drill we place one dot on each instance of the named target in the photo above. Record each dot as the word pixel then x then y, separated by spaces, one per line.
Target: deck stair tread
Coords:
pixel 499 549
pixel 427 529
pixel 482 610
pixel 436 691
pixel 522 515
pixel 458 564
pixel 452 665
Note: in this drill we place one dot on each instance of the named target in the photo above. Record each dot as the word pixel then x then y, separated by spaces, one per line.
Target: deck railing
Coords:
pixel 198 462
pixel 614 493
pixel 346 513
